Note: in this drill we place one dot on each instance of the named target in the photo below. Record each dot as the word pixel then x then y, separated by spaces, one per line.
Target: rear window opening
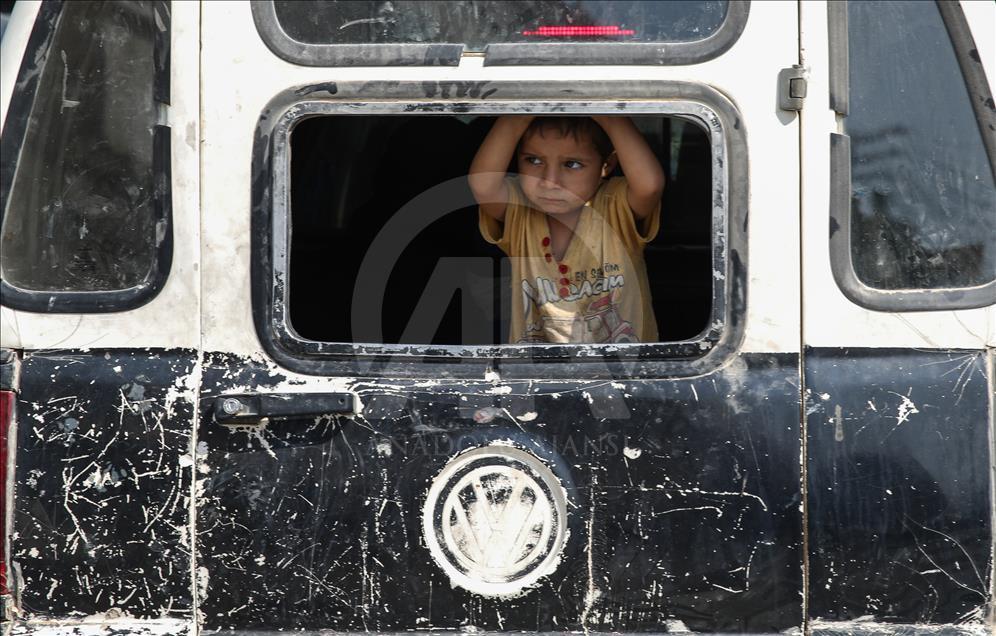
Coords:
pixel 350 175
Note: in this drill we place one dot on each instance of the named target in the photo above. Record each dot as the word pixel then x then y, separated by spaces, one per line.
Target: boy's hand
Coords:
pixel 644 176
pixel 487 170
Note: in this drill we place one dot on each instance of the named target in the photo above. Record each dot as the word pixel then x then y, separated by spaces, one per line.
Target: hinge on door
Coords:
pixel 10 367
pixel 791 87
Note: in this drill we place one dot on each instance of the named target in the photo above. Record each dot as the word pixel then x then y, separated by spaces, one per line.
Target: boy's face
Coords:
pixel 559 174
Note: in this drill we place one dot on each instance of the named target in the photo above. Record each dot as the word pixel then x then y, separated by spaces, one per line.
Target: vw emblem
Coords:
pixel 495 519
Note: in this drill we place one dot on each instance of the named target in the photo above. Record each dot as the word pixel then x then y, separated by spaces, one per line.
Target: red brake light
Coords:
pixel 579 31
pixel 6 419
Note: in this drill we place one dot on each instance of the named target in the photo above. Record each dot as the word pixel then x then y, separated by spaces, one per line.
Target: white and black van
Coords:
pixel 253 367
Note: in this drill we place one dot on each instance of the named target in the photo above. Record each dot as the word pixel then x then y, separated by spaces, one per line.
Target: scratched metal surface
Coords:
pixel 685 505
pixel 105 627
pixel 899 486
pixel 867 627
pixel 101 503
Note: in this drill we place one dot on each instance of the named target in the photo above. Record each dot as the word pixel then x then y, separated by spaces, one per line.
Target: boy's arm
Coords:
pixel 487 170
pixel 644 176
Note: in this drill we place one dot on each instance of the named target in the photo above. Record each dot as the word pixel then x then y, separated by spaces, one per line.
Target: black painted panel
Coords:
pixel 899 485
pixel 101 507
pixel 317 523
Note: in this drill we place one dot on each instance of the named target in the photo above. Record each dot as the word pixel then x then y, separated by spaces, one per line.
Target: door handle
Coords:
pixel 261 408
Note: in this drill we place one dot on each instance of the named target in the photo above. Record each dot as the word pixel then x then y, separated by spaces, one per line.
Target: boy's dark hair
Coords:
pixel 577 127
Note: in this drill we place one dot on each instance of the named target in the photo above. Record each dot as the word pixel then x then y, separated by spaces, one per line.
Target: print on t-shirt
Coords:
pixel 597 291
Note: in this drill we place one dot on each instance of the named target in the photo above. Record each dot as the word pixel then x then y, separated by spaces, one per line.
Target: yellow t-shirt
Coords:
pixel 599 291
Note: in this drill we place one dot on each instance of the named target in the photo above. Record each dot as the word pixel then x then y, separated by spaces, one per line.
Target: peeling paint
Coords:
pixel 336 503
pixel 104 625
pixel 895 489
pixel 116 500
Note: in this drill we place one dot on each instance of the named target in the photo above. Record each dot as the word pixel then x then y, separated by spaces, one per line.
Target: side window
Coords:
pixel 85 163
pixel 913 221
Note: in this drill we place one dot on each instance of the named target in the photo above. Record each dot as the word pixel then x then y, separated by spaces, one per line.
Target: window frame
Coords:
pixel 500 54
pixel 14 132
pixel 841 263
pixel 271 232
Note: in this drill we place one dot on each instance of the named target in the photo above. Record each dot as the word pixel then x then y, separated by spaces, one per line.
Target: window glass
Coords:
pixel 923 207
pixel 80 215
pixel 478 23
pixel 353 177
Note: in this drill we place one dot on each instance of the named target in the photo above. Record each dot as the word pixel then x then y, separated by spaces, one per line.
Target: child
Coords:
pixel 575 237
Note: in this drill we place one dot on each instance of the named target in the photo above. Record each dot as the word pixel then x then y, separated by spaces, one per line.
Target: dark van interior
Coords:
pixel 351 173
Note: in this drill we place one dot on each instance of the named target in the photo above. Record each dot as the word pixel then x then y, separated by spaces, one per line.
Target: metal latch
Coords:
pixel 792 87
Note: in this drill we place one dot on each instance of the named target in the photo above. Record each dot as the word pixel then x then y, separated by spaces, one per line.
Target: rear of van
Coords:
pixel 256 372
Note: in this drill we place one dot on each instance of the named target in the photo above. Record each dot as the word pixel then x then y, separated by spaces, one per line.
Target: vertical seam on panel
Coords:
pixel 803 442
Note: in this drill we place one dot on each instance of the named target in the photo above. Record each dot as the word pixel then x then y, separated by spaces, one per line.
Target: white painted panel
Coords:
pixel 15 38
pixel 240 75
pixel 748 75
pixel 829 318
pixel 981 16
pixel 171 318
